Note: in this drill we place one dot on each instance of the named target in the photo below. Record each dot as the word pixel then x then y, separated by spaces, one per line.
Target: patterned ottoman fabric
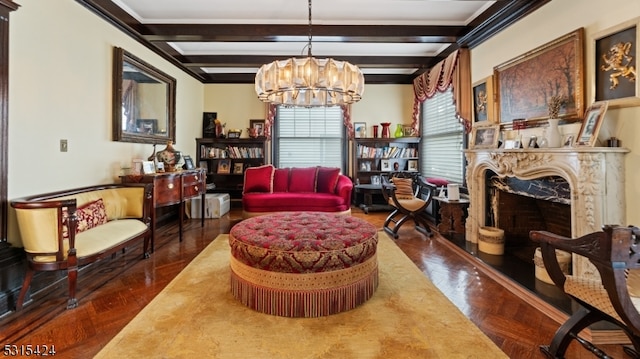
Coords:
pixel 303 264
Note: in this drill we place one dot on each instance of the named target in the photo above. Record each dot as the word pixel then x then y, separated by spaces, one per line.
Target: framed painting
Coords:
pixel 209 124
pixel 615 63
pixel 483 101
pixel 485 136
pixel 525 84
pixel 360 129
pixel 591 124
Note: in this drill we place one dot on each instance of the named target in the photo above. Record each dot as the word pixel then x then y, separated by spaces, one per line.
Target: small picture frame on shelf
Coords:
pixel 375 180
pixel 136 167
pixel 148 167
pixel 360 129
pixel 485 136
pixel 204 165
pixel 159 167
pixel 188 163
pixel 209 124
pixel 408 131
pixel 385 165
pixel 238 168
pixel 412 165
pixel 224 166
pixel 258 127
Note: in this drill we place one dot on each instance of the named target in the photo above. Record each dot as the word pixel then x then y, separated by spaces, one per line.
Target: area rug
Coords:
pixel 196 316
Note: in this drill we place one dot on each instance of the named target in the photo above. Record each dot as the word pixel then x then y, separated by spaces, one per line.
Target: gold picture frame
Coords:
pixel 484 101
pixel 485 137
pixel 614 64
pixel 591 124
pixel 521 83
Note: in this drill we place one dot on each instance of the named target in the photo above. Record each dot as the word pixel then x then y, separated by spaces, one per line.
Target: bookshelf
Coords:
pixel 226 159
pixel 376 156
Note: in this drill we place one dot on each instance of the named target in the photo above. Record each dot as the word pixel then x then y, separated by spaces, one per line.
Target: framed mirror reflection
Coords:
pixel 143 101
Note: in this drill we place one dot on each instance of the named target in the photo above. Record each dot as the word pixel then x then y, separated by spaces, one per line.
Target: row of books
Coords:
pixel 231 152
pixel 386 152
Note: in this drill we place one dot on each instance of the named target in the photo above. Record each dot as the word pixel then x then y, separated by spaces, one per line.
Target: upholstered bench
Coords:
pixel 303 264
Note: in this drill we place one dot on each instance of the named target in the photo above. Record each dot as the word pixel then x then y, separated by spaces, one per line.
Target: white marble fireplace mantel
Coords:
pixel 595 176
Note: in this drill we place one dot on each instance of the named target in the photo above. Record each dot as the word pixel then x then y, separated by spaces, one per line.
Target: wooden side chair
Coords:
pixel 614 299
pixel 403 192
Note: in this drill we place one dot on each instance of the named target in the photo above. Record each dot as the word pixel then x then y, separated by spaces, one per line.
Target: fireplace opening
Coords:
pixel 517 207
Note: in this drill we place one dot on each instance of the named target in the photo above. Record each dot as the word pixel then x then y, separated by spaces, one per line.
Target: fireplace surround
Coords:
pixel 595 176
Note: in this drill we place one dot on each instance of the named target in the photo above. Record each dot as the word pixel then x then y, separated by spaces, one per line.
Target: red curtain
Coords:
pixel 454 71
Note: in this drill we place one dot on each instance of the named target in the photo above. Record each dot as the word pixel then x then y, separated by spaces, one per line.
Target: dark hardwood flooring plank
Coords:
pixel 114 290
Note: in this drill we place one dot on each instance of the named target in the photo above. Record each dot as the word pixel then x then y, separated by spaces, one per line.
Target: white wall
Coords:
pixel 237 104
pixel 60 68
pixel 552 21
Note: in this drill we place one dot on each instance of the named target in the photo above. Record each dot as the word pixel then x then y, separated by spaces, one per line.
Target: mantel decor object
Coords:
pixel 554 139
pixel 399 132
pixel 385 129
pixel 171 158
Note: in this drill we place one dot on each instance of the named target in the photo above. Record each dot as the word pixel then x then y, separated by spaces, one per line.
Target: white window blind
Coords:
pixel 442 139
pixel 309 137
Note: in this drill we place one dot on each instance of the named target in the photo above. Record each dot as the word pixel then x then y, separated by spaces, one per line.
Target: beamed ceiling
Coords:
pixel 392 41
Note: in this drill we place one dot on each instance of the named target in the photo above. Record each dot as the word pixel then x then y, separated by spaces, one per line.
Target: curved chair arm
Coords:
pixel 613 251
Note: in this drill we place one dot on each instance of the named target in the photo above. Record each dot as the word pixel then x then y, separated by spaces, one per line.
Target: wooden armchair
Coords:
pixel 615 298
pixel 403 193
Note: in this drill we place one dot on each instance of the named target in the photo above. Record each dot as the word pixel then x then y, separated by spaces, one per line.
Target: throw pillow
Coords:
pixel 258 179
pixel 438 182
pixel 91 215
pixel 404 187
pixel 302 179
pixel 327 179
pixel 281 180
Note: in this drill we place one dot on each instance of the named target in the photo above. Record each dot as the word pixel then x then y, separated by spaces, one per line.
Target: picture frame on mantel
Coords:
pixel 614 60
pixel 485 137
pixel 593 117
pixel 522 81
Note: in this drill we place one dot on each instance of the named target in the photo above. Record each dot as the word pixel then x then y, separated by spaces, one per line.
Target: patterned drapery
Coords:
pixel 454 71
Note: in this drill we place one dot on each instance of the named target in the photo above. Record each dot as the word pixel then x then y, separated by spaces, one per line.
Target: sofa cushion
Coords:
pixel 258 179
pixel 326 179
pixel 287 201
pixel 281 180
pixel 404 187
pixel 91 215
pixel 302 179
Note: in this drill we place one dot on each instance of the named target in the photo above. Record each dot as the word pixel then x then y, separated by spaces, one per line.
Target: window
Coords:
pixel 442 139
pixel 307 137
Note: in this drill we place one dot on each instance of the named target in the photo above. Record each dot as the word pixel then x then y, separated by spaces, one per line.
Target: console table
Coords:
pixel 171 188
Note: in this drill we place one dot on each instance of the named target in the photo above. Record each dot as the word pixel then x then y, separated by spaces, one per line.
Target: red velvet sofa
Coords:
pixel 268 189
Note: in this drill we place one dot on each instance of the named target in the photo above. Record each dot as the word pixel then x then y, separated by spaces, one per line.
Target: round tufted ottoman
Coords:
pixel 303 264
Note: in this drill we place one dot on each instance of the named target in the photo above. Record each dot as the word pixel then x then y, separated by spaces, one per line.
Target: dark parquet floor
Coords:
pixel 114 290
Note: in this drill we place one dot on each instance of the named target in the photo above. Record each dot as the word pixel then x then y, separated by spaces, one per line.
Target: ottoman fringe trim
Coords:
pixel 356 285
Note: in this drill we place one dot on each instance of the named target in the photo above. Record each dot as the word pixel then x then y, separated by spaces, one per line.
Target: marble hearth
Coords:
pixel 595 177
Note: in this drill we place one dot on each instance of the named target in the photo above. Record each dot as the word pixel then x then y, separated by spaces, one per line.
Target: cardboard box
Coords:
pixel 216 205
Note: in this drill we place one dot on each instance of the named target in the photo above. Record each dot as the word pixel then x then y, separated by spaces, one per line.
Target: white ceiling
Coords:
pixel 253 15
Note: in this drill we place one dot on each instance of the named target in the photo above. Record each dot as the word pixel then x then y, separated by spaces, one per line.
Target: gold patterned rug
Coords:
pixel 196 316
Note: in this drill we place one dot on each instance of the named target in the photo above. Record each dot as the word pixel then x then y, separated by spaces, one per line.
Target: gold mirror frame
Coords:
pixel 144 101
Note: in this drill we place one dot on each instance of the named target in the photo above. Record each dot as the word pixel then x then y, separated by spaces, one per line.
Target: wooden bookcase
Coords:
pixel 375 156
pixel 226 159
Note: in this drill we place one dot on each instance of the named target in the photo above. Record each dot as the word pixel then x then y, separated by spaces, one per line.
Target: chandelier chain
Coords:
pixel 310 36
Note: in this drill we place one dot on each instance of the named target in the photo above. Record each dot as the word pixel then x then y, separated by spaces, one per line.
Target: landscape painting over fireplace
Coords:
pixel 526 83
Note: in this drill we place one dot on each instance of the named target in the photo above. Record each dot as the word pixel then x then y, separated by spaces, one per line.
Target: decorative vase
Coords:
pixel 385 129
pixel 171 158
pixel 553 134
pixel 375 131
pixel 398 132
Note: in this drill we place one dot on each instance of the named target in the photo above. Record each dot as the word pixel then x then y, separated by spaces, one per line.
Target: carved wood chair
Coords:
pixel 405 193
pixel 615 252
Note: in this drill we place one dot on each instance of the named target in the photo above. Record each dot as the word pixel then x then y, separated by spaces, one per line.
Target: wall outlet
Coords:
pixel 63 146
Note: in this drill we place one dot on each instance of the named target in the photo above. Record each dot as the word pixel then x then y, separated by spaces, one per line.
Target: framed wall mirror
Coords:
pixel 144 101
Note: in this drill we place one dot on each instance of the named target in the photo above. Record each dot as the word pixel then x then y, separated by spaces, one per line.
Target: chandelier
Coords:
pixel 309 82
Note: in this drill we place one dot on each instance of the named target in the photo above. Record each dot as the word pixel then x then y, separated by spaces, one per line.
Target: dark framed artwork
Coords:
pixel 525 84
pixel 148 126
pixel 209 124
pixel 615 60
pixel 483 100
pixel 258 125
pixel 188 163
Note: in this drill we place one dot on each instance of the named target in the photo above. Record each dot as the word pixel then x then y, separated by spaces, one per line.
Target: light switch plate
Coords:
pixel 63 146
